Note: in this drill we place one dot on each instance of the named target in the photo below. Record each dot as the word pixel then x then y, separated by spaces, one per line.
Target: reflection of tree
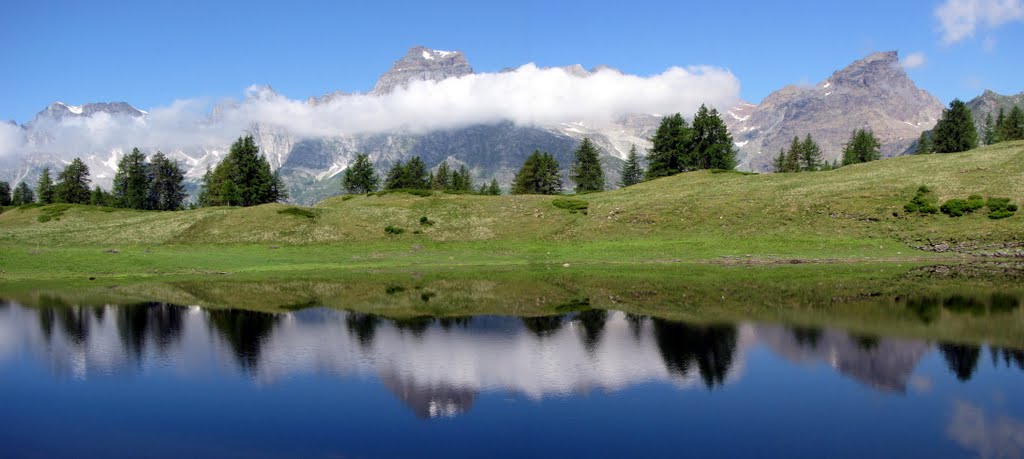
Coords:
pixel 962 359
pixel 961 303
pixel 926 308
pixel 159 322
pixel 592 322
pixel 414 325
pixel 1001 302
pixel 46 320
pixel 636 325
pixel 245 331
pixel 363 326
pixel 711 347
pixel 74 321
pixel 449 322
pixel 806 337
pixel 865 342
pixel 543 326
pixel 1010 357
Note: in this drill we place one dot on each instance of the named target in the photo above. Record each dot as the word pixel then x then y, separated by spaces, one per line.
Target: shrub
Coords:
pixel 923 202
pixel 347 197
pixel 393 230
pixel 426 221
pixel 298 212
pixel 572 205
pixel 1000 208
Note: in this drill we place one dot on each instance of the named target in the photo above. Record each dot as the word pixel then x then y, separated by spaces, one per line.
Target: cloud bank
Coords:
pixel 527 96
pixel 960 19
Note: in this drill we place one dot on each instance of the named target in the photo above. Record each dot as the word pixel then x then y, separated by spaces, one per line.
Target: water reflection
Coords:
pixel 438 367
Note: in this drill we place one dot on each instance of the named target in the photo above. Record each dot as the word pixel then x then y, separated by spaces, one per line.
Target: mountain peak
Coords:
pixel 884 56
pixel 59 110
pixel 422 64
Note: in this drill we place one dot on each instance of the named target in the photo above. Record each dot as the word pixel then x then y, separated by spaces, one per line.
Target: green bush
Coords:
pixel 923 202
pixel 298 212
pixel 961 207
pixel 1000 208
pixel 393 230
pixel 426 221
pixel 347 197
pixel 570 204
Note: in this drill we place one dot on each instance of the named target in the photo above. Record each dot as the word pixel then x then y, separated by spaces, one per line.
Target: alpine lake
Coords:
pixel 804 360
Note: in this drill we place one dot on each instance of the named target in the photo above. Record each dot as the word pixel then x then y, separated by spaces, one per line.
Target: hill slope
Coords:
pixel 841 213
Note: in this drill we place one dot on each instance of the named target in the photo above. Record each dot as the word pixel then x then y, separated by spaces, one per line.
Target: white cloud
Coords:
pixel 527 96
pixel 959 19
pixel 914 60
pixel 11 137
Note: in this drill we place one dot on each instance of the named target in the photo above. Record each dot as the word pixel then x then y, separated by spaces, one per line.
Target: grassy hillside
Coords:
pixel 852 213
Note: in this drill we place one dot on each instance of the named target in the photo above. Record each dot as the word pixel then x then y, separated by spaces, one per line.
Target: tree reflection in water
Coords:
pixel 245 331
pixel 711 348
pixel 962 359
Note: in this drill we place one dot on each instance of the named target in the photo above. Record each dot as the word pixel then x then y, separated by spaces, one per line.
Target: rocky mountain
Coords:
pixel 991 102
pixel 873 93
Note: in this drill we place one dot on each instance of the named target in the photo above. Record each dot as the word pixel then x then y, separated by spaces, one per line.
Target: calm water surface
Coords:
pixel 160 380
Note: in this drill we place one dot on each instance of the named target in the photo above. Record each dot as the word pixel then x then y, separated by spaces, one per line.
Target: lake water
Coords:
pixel 162 380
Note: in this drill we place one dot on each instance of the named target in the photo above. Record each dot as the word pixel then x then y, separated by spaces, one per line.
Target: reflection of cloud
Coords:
pixel 989 437
pixel 922 384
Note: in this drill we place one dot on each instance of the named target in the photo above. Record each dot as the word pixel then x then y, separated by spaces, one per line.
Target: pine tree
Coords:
pixel 793 155
pixel 1000 125
pixel 44 188
pixel 539 175
pixel 779 163
pixel 710 144
pixel 668 147
pixel 166 184
pixel 243 178
pixel 632 172
pixel 360 178
pixel 22 195
pixel 924 144
pixel 462 180
pixel 862 147
pixel 73 183
pixel 5 194
pixel 415 174
pixel 955 132
pixel 100 197
pixel 586 170
pixel 131 183
pixel 1013 126
pixel 494 189
pixel 810 155
pixel 393 180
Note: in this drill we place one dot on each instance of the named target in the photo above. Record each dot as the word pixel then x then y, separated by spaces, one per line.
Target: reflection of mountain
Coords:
pixel 438 367
pixel 430 402
pixel 882 363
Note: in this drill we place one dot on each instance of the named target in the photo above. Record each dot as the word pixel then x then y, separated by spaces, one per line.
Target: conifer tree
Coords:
pixel 586 170
pixel 924 144
pixel 73 183
pixel 779 163
pixel 632 172
pixel 22 195
pixel 1000 125
pixel 131 183
pixel 710 145
pixel 443 177
pixel 360 178
pixel 955 131
pixel 810 155
pixel 862 147
pixel 793 156
pixel 668 147
pixel 243 178
pixel 540 174
pixel 166 190
pixel 462 180
pixel 493 189
pixel 989 135
pixel 99 197
pixel 5 194
pixel 44 187
pixel 1013 126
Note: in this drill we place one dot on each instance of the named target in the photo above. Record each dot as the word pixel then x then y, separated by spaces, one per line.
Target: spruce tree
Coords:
pixel 131 183
pixel 22 195
pixel 779 163
pixel 710 144
pixel 1013 126
pixel 44 187
pixel 73 183
pixel 586 170
pixel 360 178
pixel 862 147
pixel 494 189
pixel 540 174
pixel 668 147
pixel 924 144
pixel 443 177
pixel 243 178
pixel 1000 125
pixel 462 180
pixel 810 155
pixel 955 131
pixel 415 174
pixel 793 156
pixel 5 194
pixel 632 172
pixel 393 180
pixel 100 197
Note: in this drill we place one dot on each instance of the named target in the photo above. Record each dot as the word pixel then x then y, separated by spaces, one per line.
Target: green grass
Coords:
pixel 855 213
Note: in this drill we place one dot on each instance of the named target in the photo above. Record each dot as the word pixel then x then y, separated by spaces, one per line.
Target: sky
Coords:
pixel 151 54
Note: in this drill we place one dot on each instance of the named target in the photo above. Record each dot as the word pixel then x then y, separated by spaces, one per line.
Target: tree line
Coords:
pixel 955 132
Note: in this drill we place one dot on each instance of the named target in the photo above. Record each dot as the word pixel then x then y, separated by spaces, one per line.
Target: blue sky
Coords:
pixel 152 53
